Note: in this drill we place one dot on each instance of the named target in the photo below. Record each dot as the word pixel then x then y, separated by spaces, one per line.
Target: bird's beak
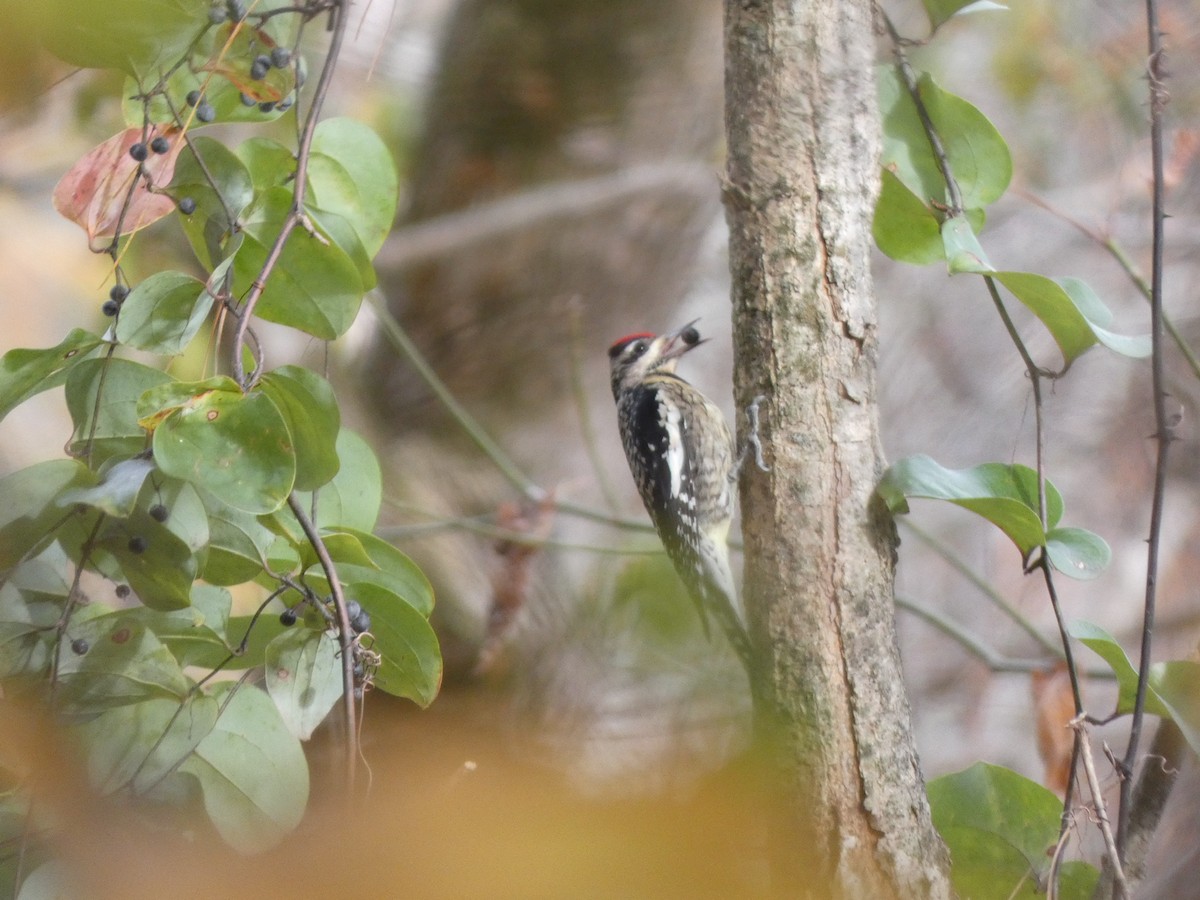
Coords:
pixel 679 342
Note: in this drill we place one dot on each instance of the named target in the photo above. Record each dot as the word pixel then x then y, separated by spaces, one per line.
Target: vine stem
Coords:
pixel 1155 70
pixel 295 215
pixel 954 195
pixel 1120 886
pixel 345 636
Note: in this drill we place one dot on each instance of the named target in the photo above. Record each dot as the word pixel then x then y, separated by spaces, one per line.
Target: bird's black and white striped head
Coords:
pixel 636 356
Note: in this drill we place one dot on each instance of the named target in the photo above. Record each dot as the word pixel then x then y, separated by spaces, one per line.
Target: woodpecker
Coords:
pixel 681 454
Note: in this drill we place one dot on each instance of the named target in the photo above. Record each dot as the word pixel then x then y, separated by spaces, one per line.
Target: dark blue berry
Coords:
pixel 287 618
pixel 260 67
pixel 160 144
pixel 267 106
pixel 137 544
pixel 187 206
pixel 110 307
pixel 237 9
pixel 218 14
pixel 286 103
pixel 192 98
pixel 361 622
pixel 205 112
pixel 247 100
pixel 79 646
pixel 122 591
pixel 118 292
pixel 138 151
pixel 159 513
pixel 280 57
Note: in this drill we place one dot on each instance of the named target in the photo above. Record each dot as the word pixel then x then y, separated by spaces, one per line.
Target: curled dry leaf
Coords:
pixel 93 192
pixel 510 583
pixel 1054 707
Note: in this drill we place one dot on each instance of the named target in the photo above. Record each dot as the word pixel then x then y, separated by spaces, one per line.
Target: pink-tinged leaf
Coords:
pixel 93 193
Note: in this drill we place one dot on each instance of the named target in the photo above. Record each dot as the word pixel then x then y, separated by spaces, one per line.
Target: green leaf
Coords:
pixel 238 544
pixel 410 658
pixel 314 286
pixel 163 313
pixel 158 565
pixel 234 445
pixel 1004 495
pixel 310 409
pixel 342 233
pixel 1176 684
pixel 304 678
pixel 186 516
pixel 139 37
pixel 1172 689
pixel 29 506
pixel 269 163
pixel 1108 649
pixel 904 228
pixel 351 173
pixel 24 373
pixel 1077 553
pixel 209 228
pixel 999 828
pixel 138 744
pixel 1098 317
pixel 365 559
pixel 1047 300
pixel 251 770
pixel 352 500
pixel 962 249
pixel 114 421
pixel 941 11
pixel 196 633
pixel 125 663
pixel 978 156
pixel 117 491
pixel 1106 646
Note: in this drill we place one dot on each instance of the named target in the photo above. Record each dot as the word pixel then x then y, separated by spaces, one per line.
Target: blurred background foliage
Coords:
pixel 561 170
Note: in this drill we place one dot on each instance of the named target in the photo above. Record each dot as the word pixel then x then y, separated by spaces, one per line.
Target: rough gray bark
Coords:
pixel 802 131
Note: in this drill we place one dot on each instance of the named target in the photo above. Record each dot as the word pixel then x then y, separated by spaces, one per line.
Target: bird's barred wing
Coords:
pixel 686 495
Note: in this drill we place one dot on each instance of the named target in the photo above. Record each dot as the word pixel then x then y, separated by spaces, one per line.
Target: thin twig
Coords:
pixel 1156 72
pixel 73 595
pixel 583 408
pixel 296 213
pixel 485 525
pixel 959 565
pixel 993 659
pixel 501 460
pixel 345 635
pixel 995 662
pixel 935 141
pixel 1110 845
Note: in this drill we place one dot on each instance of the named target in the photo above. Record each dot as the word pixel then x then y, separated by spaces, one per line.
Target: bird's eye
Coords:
pixel 639 348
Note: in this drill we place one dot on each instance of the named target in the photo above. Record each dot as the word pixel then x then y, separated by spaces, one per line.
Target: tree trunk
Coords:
pixel 802 128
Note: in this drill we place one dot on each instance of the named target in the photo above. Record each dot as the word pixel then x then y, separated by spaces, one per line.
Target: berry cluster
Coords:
pixel 204 109
pixel 116 296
